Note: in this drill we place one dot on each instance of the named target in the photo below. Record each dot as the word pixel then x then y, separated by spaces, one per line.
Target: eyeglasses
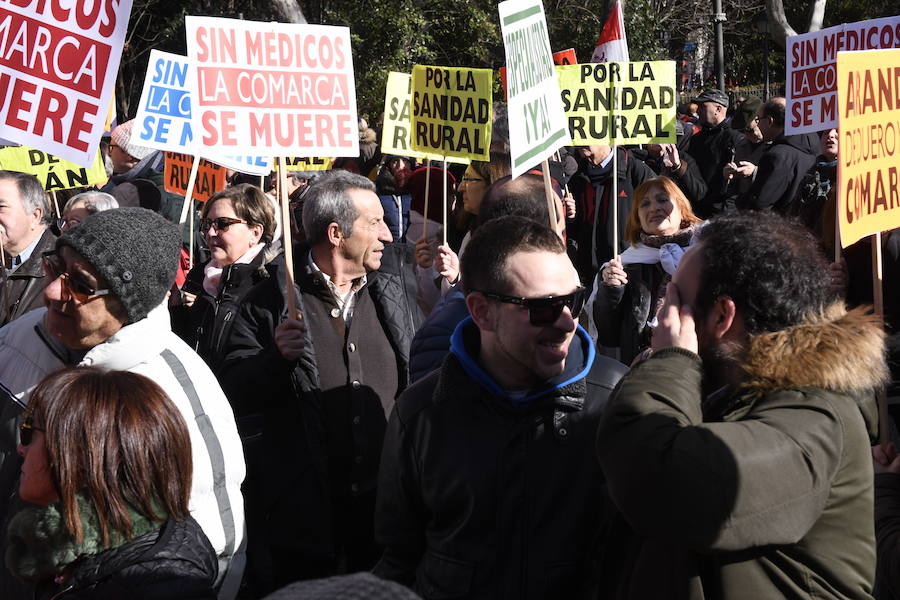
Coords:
pixel 26 431
pixel 544 311
pixel 221 224
pixel 471 179
pixel 61 223
pixel 73 284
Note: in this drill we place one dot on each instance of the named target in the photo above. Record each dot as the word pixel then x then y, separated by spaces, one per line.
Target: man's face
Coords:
pixel 363 248
pixel 711 113
pixel 595 154
pixel 20 227
pixel 532 354
pixel 767 127
pixel 80 323
pixel 121 160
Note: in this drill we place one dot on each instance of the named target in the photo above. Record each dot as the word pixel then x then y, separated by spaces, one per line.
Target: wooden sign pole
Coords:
pixel 286 237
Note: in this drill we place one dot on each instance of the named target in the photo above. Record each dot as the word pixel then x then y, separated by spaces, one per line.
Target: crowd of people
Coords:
pixel 657 384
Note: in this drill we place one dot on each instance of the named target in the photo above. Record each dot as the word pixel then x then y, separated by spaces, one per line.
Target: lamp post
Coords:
pixel 718 19
pixel 761 24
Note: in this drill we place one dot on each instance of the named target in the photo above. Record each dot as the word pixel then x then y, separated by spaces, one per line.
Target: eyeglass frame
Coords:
pixel 82 295
pixel 26 430
pixel 557 303
pixel 207 224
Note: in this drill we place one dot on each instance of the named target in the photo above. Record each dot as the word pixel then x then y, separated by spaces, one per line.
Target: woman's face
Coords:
pixel 36 483
pixel 829 141
pixel 74 215
pixel 658 213
pixel 228 245
pixel 473 187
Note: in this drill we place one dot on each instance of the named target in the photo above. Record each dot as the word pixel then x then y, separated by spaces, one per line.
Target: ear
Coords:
pixel 37 213
pixel 722 318
pixel 333 233
pixel 482 311
pixel 257 231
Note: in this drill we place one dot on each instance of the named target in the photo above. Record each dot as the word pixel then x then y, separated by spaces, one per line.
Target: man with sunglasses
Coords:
pixel 107 282
pixel 487 488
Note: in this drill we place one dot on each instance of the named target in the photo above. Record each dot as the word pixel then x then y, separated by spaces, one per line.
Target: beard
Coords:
pixel 721 361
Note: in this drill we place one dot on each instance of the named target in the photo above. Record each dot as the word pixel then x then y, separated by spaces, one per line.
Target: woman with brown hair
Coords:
pixel 107 464
pixel 628 289
pixel 238 225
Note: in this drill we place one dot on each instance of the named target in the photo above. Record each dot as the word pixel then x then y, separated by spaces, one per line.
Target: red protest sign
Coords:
pixel 281 89
pixel 58 66
pixel 565 57
pixel 210 176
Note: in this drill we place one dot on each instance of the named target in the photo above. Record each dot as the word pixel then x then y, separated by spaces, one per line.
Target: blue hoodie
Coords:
pixel 465 340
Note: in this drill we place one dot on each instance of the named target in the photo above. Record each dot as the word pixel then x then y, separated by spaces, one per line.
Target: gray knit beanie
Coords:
pixel 135 250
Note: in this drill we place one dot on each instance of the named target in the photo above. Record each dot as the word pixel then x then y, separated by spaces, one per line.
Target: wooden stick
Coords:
pixel 548 192
pixel 884 430
pixel 286 237
pixel 55 204
pixel 190 237
pixel 837 228
pixel 445 201
pixel 614 202
pixel 192 178
pixel 427 189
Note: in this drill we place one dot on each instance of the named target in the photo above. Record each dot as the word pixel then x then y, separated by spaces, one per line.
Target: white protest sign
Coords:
pixel 537 122
pixel 280 89
pixel 811 86
pixel 58 67
pixel 163 118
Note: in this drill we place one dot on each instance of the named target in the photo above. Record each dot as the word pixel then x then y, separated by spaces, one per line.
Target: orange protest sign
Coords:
pixel 869 159
pixel 210 176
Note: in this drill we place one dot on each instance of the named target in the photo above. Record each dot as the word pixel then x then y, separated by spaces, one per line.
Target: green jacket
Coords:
pixel 763 493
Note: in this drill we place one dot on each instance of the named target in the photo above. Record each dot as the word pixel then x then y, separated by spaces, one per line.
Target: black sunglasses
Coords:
pixel 26 431
pixel 544 311
pixel 220 223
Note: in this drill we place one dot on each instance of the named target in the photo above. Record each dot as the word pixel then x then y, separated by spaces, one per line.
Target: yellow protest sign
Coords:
pixel 869 158
pixel 451 111
pixel 619 102
pixel 54 173
pixel 308 163
pixel 395 138
pixel 177 171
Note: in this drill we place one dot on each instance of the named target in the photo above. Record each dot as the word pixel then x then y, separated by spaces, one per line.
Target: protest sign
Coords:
pixel 308 163
pixel 565 57
pixel 281 89
pixel 619 103
pixel 210 177
pixel 811 85
pixel 869 160
pixel 53 172
pixel 164 115
pixel 395 135
pixel 451 112
pixel 163 118
pixel 58 66
pixel 537 123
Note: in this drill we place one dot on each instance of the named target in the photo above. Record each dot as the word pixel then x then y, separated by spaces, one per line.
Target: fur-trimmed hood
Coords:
pixel 837 350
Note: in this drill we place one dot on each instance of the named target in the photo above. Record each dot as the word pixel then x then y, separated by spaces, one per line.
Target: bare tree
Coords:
pixel 779 27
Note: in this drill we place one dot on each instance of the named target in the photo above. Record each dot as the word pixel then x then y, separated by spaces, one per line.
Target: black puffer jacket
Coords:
pixel 294 468
pixel 205 325
pixel 175 562
pixel 478 498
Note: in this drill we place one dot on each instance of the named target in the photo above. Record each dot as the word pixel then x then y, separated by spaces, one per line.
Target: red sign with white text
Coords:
pixel 58 67
pixel 278 88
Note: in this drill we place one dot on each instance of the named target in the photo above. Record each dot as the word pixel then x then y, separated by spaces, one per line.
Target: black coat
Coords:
pixel 712 149
pixel 205 326
pixel 480 499
pixel 175 562
pixel 294 482
pixel 23 289
pixel 621 312
pixel 781 169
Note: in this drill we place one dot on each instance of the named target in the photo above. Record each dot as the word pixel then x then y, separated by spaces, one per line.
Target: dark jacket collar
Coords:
pixel 464 344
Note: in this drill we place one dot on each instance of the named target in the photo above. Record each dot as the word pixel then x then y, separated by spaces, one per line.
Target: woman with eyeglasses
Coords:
pixel 83 205
pixel 238 225
pixel 107 473
pixel 629 289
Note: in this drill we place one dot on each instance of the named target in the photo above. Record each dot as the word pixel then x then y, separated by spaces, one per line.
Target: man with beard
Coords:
pixel 487 486
pixel 739 452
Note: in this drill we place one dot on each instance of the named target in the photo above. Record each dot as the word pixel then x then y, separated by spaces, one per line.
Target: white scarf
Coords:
pixel 213 270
